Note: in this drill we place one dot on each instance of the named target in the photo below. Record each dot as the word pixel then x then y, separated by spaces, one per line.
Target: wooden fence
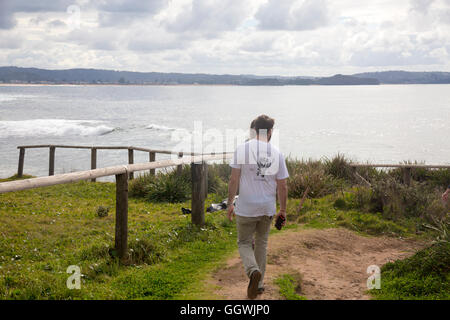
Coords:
pixel 52 149
pixel 406 168
pixel 122 174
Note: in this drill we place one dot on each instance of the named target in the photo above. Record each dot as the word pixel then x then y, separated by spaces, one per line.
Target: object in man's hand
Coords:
pixel 279 222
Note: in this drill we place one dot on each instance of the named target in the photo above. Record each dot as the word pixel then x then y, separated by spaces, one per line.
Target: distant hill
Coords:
pixel 96 76
pixel 404 77
pixel 340 79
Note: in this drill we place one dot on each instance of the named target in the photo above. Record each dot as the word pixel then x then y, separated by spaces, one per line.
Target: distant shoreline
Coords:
pixel 203 85
pixel 34 76
pixel 116 84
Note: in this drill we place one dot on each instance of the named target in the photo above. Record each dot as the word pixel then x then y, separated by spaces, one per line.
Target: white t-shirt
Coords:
pixel 261 166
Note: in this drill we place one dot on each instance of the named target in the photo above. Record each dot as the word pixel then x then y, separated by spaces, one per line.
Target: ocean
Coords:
pixel 382 124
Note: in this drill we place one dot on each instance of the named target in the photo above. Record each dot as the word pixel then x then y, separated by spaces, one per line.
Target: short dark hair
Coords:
pixel 263 122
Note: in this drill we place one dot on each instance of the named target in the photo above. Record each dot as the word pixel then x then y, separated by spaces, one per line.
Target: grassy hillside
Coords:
pixel 44 231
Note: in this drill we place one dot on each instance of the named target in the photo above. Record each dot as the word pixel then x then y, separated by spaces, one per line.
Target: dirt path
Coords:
pixel 332 262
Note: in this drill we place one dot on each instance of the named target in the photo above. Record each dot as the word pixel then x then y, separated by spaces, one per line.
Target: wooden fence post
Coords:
pixel 407 176
pixel 93 160
pixel 152 158
pixel 198 194
pixel 21 161
pixel 51 161
pixel 206 179
pixel 180 167
pixel 131 161
pixel 121 239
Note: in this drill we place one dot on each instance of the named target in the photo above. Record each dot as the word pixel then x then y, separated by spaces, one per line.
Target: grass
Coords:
pixel 423 276
pixel 323 213
pixel 45 230
pixel 290 286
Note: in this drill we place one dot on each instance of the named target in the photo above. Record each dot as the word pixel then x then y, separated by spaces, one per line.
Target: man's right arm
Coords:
pixel 282 191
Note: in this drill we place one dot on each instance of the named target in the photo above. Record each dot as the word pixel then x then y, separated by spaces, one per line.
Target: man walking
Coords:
pixel 259 170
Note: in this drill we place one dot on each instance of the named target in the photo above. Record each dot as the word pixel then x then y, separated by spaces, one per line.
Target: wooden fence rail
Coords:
pixel 406 168
pixel 131 149
pixel 198 169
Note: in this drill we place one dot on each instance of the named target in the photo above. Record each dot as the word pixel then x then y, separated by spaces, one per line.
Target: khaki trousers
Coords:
pixel 253 259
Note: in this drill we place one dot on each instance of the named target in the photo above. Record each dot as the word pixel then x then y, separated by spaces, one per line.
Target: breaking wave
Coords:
pixel 159 127
pixel 53 127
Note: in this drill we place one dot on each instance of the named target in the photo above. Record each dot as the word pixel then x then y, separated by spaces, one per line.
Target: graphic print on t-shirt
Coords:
pixel 263 164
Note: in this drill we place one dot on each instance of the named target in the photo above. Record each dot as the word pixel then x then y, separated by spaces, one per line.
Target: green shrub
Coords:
pixel 340 204
pixel 396 200
pixel 425 275
pixel 165 186
pixel 169 188
pixel 146 251
pixel 102 211
pixel 216 184
pixel 220 170
pixel 137 188
pixel 312 175
pixel 173 186
pixel 339 167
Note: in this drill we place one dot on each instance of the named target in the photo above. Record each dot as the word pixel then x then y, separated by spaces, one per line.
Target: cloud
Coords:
pixel 209 17
pixel 293 15
pixel 6 16
pixel 127 6
pixel 258 43
pixel 427 14
pixel 385 58
pixel 150 41
pixel 56 24
pixel 125 12
pixel 38 6
pixel 421 6
pixel 287 37
pixel 102 39
pixel 12 41
pixel 8 9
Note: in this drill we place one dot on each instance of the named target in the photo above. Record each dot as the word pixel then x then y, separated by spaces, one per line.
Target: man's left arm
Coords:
pixel 232 190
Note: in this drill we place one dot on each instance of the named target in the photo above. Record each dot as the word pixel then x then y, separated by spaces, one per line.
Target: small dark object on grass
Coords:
pixel 112 252
pixel 102 211
pixel 217 206
pixel 186 211
pixel 220 206
pixel 340 204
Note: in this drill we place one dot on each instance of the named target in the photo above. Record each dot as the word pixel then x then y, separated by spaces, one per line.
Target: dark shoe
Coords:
pixel 261 290
pixel 252 290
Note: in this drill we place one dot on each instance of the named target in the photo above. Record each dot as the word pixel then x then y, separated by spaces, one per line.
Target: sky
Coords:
pixel 262 37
